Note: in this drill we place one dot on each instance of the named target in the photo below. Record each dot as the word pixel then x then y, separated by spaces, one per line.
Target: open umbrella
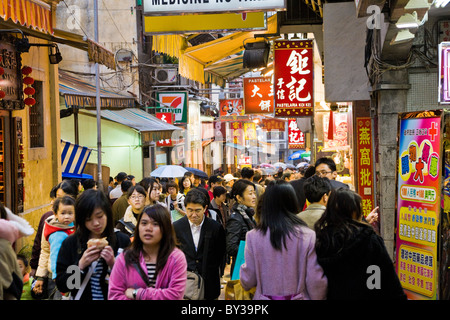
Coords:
pixel 168 171
pixel 197 172
pixel 290 166
pixel 296 155
pixel 306 154
pixel 266 165
pixel 268 171
pixel 280 165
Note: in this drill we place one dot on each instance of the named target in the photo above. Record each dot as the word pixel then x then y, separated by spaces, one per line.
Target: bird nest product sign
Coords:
pixel 293 78
pixel 258 95
pixel 418 205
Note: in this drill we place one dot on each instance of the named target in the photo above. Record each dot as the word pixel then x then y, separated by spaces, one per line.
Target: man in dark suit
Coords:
pixel 202 240
pixel 325 167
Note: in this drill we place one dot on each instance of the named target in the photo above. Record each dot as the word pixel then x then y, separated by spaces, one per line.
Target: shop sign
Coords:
pixel 250 131
pixel 245 161
pixel 167 117
pixel 258 95
pixel 296 138
pixel 274 124
pixel 231 107
pixel 174 102
pixel 162 7
pixel 444 72
pixel 237 133
pixel 11 80
pixel 364 158
pixel 418 205
pixel 339 129
pixel 293 78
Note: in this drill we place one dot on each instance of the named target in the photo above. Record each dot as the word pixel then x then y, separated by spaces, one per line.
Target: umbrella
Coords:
pixel 268 171
pixel 168 171
pixel 290 166
pixel 197 172
pixel 302 164
pixel 296 155
pixel 266 165
pixel 279 165
pixel 306 154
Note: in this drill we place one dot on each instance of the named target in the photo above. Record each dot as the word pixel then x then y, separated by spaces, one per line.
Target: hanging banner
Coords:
pixel 296 138
pixel 418 205
pixel 231 107
pixel 293 78
pixel 340 130
pixel 174 102
pixel 167 117
pixel 365 164
pixel 258 95
pixel 274 124
pixel 444 72
pixel 237 133
pixel 250 131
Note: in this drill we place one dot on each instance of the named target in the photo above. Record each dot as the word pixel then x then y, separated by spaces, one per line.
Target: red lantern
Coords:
pixel 2 94
pixel 26 70
pixel 28 81
pixel 29 91
pixel 30 101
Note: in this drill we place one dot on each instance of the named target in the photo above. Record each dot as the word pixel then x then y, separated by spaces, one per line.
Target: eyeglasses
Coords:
pixel 137 197
pixel 323 173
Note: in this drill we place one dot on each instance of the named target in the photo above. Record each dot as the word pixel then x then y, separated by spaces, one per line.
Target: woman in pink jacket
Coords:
pixel 152 268
pixel 280 255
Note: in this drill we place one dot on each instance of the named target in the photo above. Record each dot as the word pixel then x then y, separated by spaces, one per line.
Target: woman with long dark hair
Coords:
pixel 93 220
pixel 152 268
pixel 280 258
pixel 349 250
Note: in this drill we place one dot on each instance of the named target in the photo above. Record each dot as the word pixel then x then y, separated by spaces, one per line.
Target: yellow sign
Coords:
pixel 191 23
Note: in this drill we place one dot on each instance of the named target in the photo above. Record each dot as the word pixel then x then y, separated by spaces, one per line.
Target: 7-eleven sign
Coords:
pixel 169 118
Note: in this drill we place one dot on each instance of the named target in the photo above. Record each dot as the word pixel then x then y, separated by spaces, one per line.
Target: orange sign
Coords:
pixel 258 95
pixel 231 107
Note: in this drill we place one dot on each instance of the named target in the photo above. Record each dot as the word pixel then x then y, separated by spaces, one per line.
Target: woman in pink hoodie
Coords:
pixel 152 268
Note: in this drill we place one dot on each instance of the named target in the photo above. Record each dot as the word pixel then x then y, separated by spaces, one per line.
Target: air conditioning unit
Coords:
pixel 166 75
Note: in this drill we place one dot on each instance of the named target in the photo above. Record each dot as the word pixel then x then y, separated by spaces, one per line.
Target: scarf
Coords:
pixel 247 213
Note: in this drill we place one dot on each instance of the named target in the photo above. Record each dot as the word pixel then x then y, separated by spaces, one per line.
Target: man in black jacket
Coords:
pixel 203 242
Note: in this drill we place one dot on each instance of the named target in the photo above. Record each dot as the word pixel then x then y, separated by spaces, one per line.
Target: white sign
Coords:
pixel 161 7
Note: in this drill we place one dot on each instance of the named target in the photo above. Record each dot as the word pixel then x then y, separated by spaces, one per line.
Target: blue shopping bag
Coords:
pixel 240 259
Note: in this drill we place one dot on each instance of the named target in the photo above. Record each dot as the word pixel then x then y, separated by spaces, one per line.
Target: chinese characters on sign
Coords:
pixel 364 164
pixel 293 78
pixel 168 118
pixel 419 205
pixel 258 95
pixel 296 138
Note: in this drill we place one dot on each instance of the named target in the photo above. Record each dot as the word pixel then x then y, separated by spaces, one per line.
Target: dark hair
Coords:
pixel 197 195
pixel 168 242
pixel 181 186
pixel 138 188
pixel 286 175
pixel 328 161
pixel 3 214
pixel 239 187
pixel 315 187
pixel 148 183
pixel 337 224
pixel 88 184
pixel 125 185
pixel 53 192
pixel 172 184
pixel 310 171
pixel 247 173
pixel 257 176
pixel 188 174
pixel 277 212
pixel 23 258
pixel 130 177
pixel 85 205
pixel 218 191
pixel 66 200
pixel 69 187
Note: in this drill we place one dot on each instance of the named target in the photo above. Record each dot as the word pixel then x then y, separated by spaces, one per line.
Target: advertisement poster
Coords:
pixel 174 102
pixel 340 130
pixel 231 107
pixel 258 95
pixel 418 206
pixel 293 78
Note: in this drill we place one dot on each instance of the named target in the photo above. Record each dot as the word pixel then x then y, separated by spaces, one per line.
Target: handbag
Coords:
pixel 234 291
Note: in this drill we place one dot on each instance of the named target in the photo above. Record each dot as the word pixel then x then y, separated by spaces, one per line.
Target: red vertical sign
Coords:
pixel 169 118
pixel 296 138
pixel 293 78
pixel 365 163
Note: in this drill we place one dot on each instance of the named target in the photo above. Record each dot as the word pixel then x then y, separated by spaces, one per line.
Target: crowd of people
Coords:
pixel 304 232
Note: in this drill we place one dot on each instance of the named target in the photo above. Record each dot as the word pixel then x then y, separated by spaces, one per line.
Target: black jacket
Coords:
pixel 212 234
pixel 70 253
pixel 346 265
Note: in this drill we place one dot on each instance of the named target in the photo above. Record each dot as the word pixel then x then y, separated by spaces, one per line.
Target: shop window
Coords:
pixel 36 114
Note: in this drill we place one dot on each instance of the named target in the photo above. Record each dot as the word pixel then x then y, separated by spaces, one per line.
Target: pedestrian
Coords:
pixel 117 191
pixel 12 228
pixel 347 247
pixel 136 203
pixel 298 186
pixel 241 219
pixel 57 228
pixel 93 221
pixel 121 204
pixel 317 191
pixel 213 181
pixel 89 184
pixel 131 178
pixel 280 258
pixel 229 180
pixel 111 186
pixel 66 187
pixel 326 167
pixel 175 201
pixel 203 242
pixel 185 184
pixel 218 205
pixel 152 268
pixel 27 279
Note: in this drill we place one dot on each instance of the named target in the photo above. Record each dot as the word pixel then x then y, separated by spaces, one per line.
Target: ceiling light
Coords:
pixel 408 20
pixel 402 36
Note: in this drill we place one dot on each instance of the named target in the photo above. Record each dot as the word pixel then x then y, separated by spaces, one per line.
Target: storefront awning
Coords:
pixel 32 14
pixel 150 127
pixel 197 62
pixel 81 94
pixel 73 160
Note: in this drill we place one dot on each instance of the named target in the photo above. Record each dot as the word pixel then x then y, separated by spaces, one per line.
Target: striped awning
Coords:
pixel 73 158
pixel 81 94
pixel 33 14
